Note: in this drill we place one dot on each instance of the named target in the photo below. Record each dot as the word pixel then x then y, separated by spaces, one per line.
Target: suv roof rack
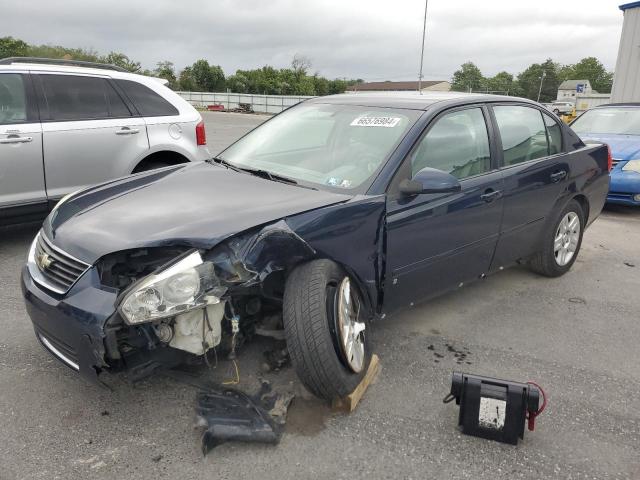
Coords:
pixel 61 61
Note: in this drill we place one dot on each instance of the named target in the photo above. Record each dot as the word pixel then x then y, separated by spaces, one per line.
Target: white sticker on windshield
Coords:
pixel 388 122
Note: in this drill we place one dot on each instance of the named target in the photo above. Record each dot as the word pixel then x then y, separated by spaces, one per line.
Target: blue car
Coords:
pixel 617 125
pixel 340 210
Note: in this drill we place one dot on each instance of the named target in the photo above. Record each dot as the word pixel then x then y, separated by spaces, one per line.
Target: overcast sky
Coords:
pixel 370 39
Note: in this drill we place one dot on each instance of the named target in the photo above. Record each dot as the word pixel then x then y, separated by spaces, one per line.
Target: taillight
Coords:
pixel 201 135
pixel 609 158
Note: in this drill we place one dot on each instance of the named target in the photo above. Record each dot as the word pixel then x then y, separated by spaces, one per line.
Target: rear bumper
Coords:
pixel 72 328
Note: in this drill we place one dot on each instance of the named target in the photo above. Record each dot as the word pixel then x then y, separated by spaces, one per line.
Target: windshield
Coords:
pixel 622 120
pixel 338 146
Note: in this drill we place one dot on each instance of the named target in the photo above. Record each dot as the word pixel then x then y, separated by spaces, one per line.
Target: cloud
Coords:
pixel 370 39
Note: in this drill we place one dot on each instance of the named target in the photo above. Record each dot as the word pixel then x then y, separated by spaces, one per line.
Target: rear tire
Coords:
pixel 561 242
pixel 312 324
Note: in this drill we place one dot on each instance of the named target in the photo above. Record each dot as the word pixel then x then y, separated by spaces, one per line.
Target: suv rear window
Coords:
pixel 148 102
pixel 71 97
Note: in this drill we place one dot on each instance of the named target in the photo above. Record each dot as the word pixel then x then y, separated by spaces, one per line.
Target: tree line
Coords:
pixel 527 84
pixel 201 76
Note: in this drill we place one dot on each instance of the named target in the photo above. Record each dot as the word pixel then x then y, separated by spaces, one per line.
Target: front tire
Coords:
pixel 325 329
pixel 561 242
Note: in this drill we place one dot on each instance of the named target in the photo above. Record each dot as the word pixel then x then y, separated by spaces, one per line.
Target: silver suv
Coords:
pixel 65 125
pixel 561 107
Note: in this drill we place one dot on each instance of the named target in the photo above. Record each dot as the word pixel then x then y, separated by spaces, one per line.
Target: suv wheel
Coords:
pixel 561 242
pixel 325 329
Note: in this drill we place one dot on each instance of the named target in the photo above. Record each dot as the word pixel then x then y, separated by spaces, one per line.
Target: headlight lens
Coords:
pixel 187 284
pixel 632 166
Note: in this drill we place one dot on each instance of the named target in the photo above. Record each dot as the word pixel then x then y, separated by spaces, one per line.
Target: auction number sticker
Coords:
pixel 388 122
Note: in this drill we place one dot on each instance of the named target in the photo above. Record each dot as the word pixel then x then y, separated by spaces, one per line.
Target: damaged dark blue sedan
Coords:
pixel 336 212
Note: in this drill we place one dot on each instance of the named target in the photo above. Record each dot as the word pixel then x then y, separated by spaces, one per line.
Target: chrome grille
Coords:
pixel 58 269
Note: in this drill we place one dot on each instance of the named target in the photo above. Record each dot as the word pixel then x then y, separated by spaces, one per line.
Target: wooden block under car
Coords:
pixel 350 402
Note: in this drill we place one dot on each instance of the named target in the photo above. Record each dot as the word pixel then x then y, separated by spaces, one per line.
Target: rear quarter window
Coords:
pixel 148 102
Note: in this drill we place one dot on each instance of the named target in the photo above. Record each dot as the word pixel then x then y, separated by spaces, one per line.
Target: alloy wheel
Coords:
pixel 350 326
pixel 566 240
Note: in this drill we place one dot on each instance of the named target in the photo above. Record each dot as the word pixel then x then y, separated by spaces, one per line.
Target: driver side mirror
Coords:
pixel 430 180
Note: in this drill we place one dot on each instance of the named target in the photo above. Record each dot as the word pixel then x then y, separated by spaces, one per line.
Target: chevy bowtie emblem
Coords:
pixel 44 261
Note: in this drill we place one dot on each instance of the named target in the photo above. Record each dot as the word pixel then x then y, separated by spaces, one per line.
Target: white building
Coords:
pixel 626 80
pixel 568 89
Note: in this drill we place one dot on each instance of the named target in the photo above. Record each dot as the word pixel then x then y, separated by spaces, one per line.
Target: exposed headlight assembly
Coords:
pixel 187 284
pixel 632 166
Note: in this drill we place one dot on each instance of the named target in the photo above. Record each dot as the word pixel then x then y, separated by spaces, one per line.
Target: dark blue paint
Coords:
pixel 398 248
pixel 627 6
pixel 194 204
pixel 436 241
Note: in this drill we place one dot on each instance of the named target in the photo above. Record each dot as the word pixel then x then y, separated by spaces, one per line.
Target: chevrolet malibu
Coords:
pixel 335 213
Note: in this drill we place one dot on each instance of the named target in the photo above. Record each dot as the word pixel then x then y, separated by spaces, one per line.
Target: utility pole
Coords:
pixel 424 32
pixel 544 74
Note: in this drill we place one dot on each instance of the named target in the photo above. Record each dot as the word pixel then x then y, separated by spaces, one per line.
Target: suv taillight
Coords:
pixel 201 136
pixel 609 158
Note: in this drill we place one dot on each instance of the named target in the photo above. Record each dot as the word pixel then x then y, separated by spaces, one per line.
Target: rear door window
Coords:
pixel 117 107
pixel 554 133
pixel 13 100
pixel 523 133
pixel 71 97
pixel 148 102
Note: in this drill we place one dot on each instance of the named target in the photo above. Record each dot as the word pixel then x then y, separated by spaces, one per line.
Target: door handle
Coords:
pixel 490 195
pixel 127 131
pixel 559 175
pixel 16 140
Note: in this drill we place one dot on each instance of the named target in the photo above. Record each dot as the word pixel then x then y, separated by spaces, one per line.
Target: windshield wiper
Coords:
pixel 258 172
pixel 222 161
pixel 274 177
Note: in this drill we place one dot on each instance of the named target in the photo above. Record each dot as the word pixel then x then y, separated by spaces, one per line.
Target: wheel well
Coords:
pixel 168 157
pixel 274 283
pixel 584 203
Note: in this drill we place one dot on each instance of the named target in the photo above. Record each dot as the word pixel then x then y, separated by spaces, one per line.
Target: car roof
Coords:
pixel 78 70
pixel 628 104
pixel 412 100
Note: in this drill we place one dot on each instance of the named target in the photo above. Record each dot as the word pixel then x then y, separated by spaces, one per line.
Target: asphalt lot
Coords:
pixel 577 336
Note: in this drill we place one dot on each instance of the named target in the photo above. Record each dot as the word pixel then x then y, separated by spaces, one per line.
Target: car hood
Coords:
pixel 196 204
pixel 623 147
